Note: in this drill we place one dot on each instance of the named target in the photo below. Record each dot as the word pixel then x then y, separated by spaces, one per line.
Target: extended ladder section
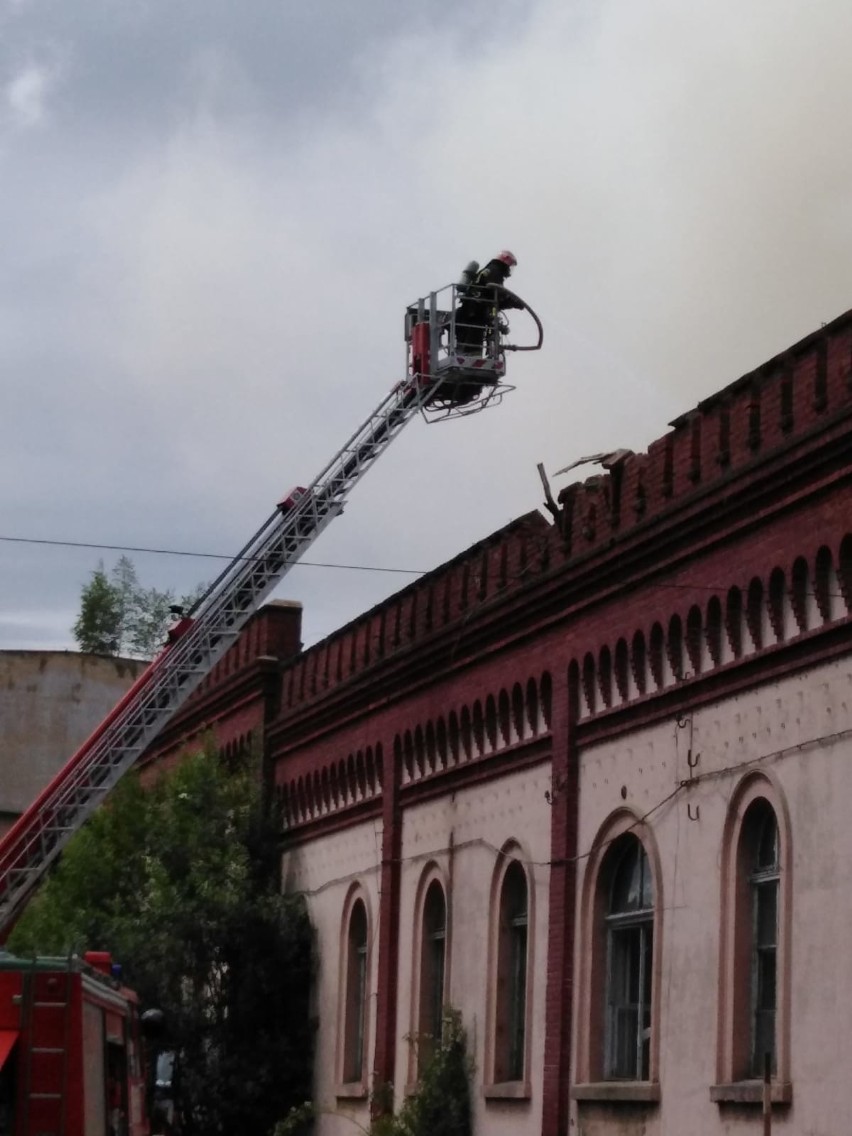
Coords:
pixel 214 624
pixel 456 364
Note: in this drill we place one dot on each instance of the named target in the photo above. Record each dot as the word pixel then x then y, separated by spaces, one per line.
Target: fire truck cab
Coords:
pixel 71 1061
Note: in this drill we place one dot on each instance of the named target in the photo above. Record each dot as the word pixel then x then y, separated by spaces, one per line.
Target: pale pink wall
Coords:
pixel 786 731
pixel 462 835
pixel 326 871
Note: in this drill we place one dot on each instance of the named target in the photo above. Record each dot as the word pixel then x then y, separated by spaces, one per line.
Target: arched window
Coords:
pixel 754 1011
pixel 355 995
pixel 618 987
pixel 510 1018
pixel 433 954
pixel 630 939
pixel 763 876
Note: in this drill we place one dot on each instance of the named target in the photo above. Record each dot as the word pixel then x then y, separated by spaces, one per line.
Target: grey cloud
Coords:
pixel 210 239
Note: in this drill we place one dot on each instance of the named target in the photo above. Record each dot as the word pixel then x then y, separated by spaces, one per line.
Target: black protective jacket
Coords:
pixel 496 272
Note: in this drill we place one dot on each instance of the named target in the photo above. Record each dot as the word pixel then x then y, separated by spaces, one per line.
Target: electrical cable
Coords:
pixel 677 586
pixel 200 555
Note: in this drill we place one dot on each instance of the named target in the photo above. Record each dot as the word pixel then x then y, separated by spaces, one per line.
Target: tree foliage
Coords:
pixel 440 1105
pixel 118 616
pixel 179 881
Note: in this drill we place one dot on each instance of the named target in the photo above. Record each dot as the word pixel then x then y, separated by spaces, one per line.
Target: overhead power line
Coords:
pixel 681 585
pixel 200 555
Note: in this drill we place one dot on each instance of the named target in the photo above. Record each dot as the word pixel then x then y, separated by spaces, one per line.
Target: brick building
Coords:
pixel 589 782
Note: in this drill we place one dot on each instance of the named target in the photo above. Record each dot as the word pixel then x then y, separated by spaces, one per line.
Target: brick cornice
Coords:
pixel 809 464
pixel 259 679
pixel 823 645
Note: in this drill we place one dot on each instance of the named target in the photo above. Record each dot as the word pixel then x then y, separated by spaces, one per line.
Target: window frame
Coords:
pixel 354 1001
pixel 620 925
pixel 591 1077
pixel 739 1067
pixel 428 1007
pixel 510 976
pixel 764 881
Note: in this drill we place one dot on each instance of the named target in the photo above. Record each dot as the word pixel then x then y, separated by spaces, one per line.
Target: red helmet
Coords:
pixel 508 258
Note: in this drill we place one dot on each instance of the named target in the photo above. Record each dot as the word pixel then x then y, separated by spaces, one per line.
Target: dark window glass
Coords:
pixel 433 945
pixel 356 995
pixel 764 882
pixel 511 1017
pixel 630 939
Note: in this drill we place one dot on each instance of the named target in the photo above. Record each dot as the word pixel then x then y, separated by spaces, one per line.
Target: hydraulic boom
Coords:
pixel 215 622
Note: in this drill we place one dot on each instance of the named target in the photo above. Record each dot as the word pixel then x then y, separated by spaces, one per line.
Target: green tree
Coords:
pixel 118 616
pixel 179 881
pixel 97 629
pixel 440 1105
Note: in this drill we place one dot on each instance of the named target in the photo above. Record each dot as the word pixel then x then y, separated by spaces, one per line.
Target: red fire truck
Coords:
pixel 71 1060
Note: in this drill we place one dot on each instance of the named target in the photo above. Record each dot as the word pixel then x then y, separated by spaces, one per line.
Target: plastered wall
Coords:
pixel 798 734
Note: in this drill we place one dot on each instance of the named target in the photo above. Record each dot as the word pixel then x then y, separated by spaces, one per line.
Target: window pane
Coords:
pixel 432 969
pixel 624 1022
pixel 629 1002
pixel 767 849
pixel 510 1021
pixel 632 889
pixel 437 992
pixel 767 981
pixel 518 998
pixel 356 995
pixel 766 915
pixel 647 981
pixel 764 934
pixel 626 887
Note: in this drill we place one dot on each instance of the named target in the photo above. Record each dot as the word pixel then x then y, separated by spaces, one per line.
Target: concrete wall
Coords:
pixel 50 701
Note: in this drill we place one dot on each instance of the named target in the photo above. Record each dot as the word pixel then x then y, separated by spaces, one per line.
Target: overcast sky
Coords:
pixel 214 214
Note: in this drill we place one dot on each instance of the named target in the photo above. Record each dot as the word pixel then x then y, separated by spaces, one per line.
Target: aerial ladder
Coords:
pixel 456 347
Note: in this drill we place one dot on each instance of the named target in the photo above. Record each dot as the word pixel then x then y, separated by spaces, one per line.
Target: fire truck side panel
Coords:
pixel 94 1071
pixel 77 1058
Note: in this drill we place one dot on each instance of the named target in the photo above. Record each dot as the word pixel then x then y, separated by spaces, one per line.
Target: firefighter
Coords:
pixel 477 308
